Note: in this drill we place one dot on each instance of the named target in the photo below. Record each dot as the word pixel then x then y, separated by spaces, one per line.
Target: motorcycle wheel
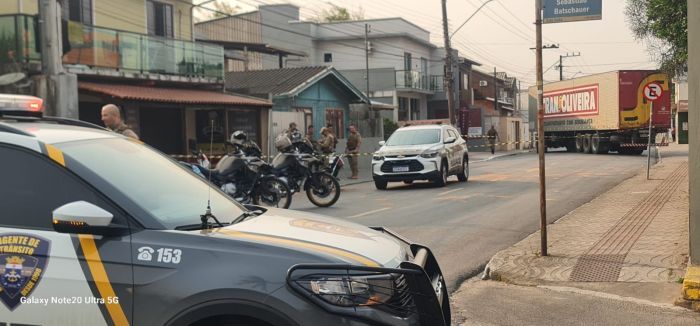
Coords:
pixel 323 189
pixel 273 192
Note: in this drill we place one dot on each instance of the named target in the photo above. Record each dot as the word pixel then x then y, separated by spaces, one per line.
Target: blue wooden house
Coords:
pixel 317 96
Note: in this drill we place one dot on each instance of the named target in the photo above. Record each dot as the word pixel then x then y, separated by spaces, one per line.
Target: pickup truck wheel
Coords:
pixel 441 181
pixel 380 184
pixel 463 176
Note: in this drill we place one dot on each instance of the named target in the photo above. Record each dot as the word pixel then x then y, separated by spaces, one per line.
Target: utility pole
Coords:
pixel 540 129
pixel 367 59
pixel 58 88
pixel 694 127
pixel 495 90
pixel 448 66
pixel 561 65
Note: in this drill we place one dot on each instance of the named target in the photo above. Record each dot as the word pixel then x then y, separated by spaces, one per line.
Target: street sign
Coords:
pixel 562 11
pixel 653 91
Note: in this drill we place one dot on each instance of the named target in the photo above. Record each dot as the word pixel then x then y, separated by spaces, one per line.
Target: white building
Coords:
pixel 405 69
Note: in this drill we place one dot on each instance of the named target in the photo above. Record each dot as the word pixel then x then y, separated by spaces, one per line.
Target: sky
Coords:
pixel 502 33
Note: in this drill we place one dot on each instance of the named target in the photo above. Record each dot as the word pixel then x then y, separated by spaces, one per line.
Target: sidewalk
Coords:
pixel 631 241
pixel 365 174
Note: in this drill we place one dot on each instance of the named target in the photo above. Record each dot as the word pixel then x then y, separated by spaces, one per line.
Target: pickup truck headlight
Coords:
pixel 430 154
pixel 350 290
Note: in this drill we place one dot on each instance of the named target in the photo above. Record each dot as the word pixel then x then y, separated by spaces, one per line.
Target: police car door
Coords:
pixel 58 278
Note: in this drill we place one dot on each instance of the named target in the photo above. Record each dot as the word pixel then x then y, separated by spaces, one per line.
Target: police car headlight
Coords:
pixel 351 291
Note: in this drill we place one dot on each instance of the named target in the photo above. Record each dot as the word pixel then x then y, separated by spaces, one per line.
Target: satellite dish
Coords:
pixel 11 78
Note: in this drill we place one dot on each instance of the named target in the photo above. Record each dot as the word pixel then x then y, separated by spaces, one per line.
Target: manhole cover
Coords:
pixel 597 268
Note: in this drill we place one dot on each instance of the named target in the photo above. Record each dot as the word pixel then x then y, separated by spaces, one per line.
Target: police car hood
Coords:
pixel 350 242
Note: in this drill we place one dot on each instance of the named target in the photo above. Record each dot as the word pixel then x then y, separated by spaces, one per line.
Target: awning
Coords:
pixel 170 95
pixel 379 106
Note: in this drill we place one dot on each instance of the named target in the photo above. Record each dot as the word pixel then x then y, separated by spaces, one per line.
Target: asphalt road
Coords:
pixel 465 224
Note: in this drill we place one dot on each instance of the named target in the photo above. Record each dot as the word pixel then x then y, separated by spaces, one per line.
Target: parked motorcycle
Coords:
pixel 335 163
pixel 247 179
pixel 298 166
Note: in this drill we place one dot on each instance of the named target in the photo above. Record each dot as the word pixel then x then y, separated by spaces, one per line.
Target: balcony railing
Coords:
pixel 406 79
pixel 18 39
pixel 437 83
pixel 98 47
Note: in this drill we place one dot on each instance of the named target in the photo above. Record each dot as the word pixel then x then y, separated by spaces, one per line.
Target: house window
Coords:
pixel 328 57
pixel 407 61
pixel 160 19
pixel 78 11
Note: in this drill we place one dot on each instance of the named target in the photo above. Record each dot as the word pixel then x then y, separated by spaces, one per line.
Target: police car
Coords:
pixel 100 229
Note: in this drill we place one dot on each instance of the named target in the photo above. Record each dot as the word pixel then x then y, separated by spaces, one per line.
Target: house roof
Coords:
pixel 285 81
pixel 169 95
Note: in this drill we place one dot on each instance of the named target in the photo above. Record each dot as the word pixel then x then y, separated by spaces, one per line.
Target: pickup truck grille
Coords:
pixel 413 165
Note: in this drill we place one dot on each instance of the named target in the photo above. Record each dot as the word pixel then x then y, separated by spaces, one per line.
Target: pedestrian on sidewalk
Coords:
pixel 326 144
pixel 111 117
pixel 335 137
pixel 310 137
pixel 492 135
pixel 352 148
pixel 292 128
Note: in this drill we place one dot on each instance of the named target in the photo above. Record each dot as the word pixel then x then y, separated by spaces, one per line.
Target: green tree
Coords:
pixel 663 26
pixel 339 14
pixel 223 9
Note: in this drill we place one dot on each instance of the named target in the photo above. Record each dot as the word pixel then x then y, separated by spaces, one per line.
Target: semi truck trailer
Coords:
pixel 605 112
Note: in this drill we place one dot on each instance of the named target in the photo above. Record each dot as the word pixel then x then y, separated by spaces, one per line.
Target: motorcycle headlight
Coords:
pixel 429 154
pixel 349 290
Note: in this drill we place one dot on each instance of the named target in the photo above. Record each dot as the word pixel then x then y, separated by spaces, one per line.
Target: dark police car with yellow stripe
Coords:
pixel 97 229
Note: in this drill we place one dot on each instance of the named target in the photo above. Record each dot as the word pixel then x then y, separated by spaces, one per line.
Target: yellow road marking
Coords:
pixel 99 276
pixel 55 154
pixel 295 243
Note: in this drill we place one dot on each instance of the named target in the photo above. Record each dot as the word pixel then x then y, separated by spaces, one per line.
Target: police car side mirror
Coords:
pixel 381 143
pixel 81 217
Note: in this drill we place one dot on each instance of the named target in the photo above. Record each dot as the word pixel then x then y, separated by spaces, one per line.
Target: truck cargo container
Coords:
pixel 604 112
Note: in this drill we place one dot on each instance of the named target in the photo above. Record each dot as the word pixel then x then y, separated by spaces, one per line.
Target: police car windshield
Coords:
pixel 152 181
pixel 414 137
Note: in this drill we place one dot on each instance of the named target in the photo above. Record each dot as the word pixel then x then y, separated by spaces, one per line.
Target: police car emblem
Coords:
pixel 23 260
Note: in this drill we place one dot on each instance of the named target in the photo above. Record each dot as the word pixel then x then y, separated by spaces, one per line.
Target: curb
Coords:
pixel 691 283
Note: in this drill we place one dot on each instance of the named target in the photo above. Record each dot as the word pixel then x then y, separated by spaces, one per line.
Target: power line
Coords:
pixel 305 35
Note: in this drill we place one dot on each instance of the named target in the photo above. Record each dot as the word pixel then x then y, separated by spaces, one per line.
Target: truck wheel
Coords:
pixel 599 146
pixel 586 144
pixel 579 143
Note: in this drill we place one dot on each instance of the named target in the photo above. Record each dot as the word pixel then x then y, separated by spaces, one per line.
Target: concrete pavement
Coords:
pixel 495 303
pixel 632 240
